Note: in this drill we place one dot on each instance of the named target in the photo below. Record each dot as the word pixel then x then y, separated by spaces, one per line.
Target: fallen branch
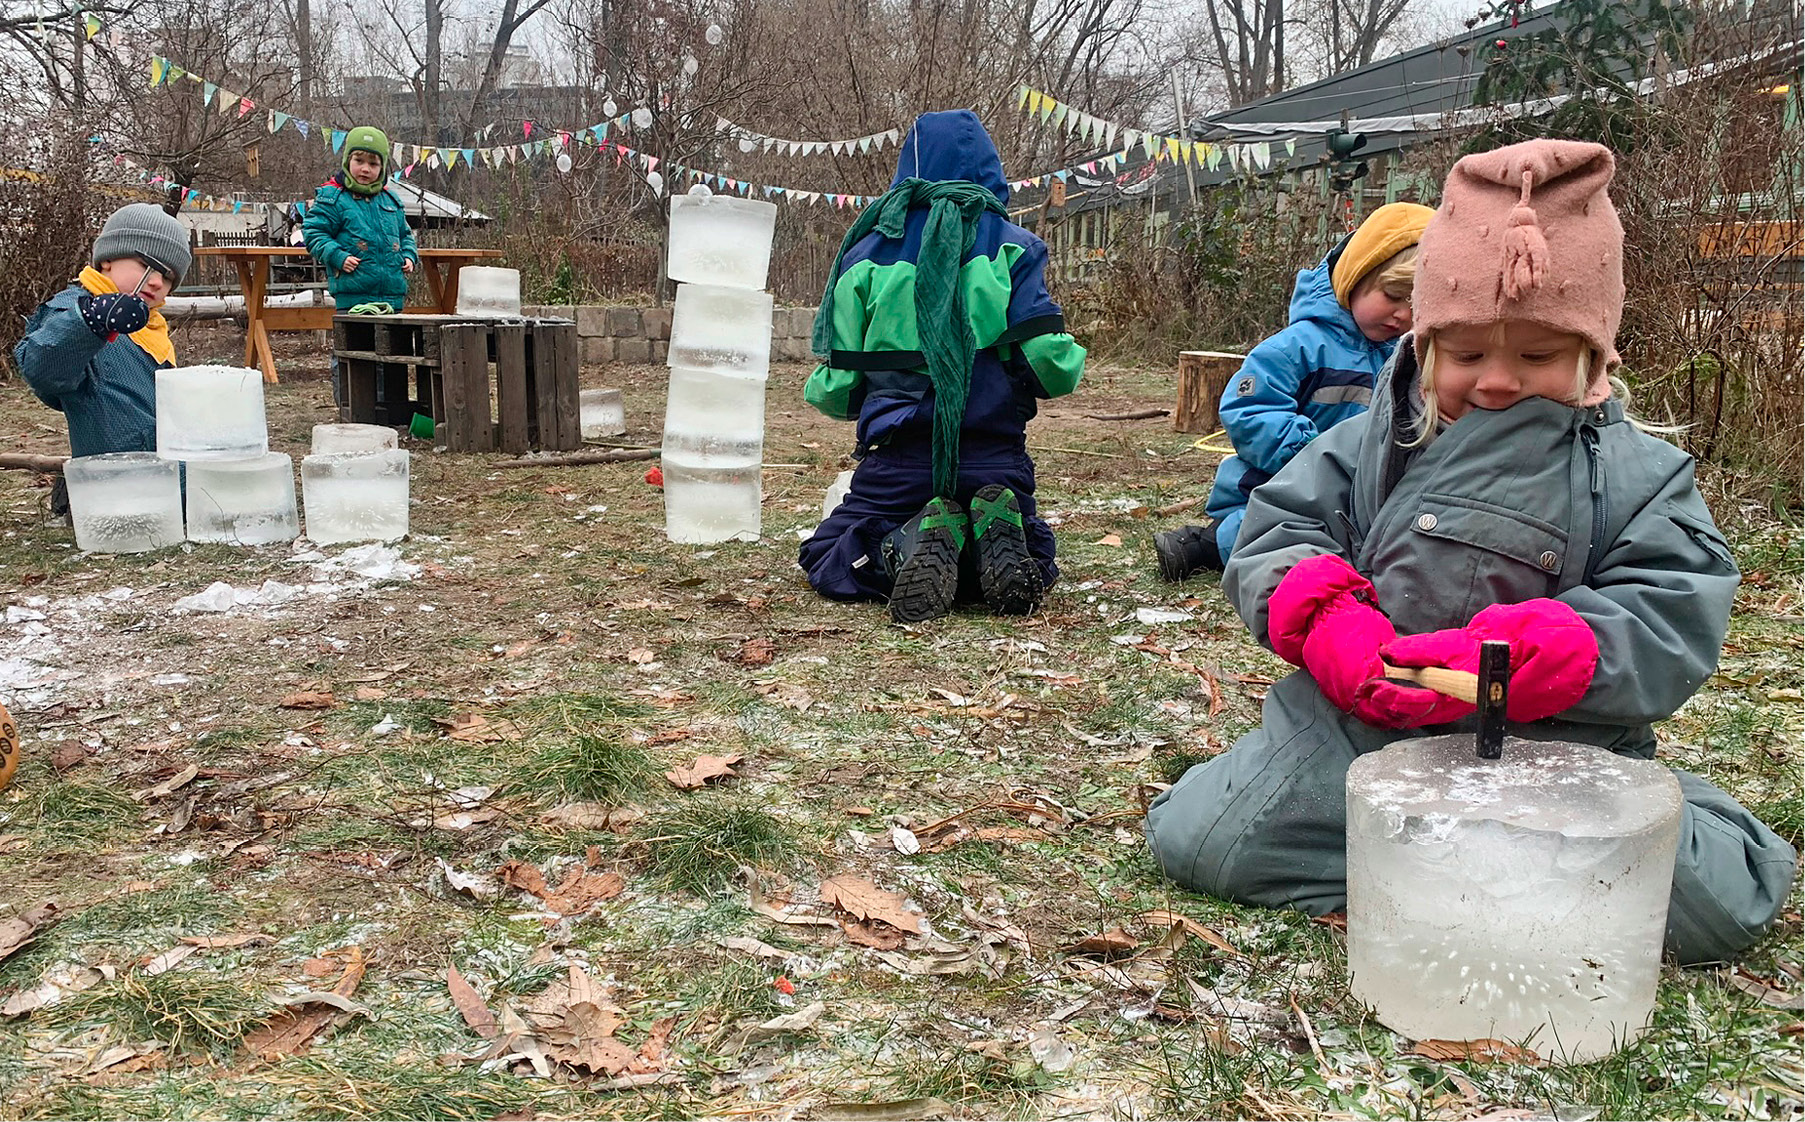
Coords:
pixel 1178 507
pixel 1137 415
pixel 29 462
pixel 573 459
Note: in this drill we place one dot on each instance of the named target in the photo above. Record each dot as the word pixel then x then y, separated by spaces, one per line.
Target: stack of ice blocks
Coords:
pixel 720 353
pixel 355 485
pixel 238 491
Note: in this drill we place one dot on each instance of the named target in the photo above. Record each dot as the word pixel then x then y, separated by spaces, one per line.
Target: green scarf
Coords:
pixel 954 207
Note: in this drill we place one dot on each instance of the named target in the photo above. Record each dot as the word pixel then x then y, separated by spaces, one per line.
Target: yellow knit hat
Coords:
pixel 1391 228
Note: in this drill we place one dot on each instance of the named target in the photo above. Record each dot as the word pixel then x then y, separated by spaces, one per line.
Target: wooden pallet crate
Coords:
pixel 532 366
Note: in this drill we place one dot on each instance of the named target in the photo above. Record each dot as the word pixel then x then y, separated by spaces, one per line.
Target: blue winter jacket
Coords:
pixel 1304 380
pixel 107 391
pixel 374 229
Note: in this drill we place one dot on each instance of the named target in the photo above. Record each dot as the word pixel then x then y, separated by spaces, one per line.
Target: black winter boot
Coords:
pixel 1008 574
pixel 1187 550
pixel 922 557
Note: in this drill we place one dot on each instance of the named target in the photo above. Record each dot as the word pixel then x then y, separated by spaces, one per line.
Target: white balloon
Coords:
pixel 642 118
pixel 655 182
pixel 608 108
pixel 564 163
pixel 714 35
pixel 700 191
pixel 747 144
pixel 689 66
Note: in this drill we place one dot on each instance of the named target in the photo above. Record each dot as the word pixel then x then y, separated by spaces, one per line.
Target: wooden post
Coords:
pixel 1202 376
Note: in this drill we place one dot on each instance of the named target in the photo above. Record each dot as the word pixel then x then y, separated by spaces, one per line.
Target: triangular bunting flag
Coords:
pixel 208 89
pixel 93 24
pixel 337 140
pixel 1262 154
pixel 1291 146
pixel 1059 114
pixel 277 119
pixel 158 69
pixel 301 126
pixel 1021 96
pixel 1149 142
pixel 245 105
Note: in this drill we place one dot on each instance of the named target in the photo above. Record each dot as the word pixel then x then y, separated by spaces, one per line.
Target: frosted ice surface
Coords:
pixel 355 496
pixel 488 292
pixel 124 502
pixel 352 438
pixel 727 330
pixel 211 413
pixel 243 502
pixel 720 240
pixel 601 413
pixel 1520 898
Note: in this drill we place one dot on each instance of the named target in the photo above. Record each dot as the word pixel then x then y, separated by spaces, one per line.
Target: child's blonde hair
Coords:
pixel 1395 276
pixel 1428 423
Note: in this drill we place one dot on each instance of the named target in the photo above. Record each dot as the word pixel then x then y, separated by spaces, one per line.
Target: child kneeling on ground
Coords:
pixel 1496 490
pixel 938 336
pixel 1346 316
pixel 93 350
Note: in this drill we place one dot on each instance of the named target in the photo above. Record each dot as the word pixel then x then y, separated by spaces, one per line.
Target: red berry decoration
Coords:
pixel 1499 44
pixel 655 477
pixel 783 984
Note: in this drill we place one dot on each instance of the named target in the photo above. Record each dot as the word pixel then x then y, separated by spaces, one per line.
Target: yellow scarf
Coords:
pixel 153 336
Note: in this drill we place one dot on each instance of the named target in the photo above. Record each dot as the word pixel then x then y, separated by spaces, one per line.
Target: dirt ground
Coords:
pixel 413 825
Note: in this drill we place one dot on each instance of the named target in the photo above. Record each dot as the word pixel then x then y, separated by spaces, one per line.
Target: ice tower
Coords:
pixel 720 354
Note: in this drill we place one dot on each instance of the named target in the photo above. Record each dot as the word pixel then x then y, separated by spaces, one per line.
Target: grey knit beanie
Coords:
pixel 144 230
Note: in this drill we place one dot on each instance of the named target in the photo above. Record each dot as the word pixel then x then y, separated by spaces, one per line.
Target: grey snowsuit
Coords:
pixel 1540 499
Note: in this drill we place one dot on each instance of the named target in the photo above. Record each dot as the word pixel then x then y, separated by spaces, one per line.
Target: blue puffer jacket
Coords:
pixel 107 391
pixel 1304 380
pixel 373 229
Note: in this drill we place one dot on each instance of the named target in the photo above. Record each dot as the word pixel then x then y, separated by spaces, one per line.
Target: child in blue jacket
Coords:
pixel 938 335
pixel 357 229
pixel 93 350
pixel 1346 316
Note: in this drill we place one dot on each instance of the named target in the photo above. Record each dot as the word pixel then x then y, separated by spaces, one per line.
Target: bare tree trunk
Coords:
pixel 304 49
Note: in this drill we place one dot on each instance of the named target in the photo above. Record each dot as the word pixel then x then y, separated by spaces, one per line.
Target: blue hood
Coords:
pixel 1314 299
pixel 952 145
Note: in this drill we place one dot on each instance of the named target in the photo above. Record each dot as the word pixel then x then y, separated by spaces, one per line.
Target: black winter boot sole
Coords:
pixel 927 580
pixel 1008 574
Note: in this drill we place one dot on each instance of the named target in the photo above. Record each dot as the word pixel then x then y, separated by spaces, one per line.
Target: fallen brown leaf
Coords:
pixel 474 728
pixel 1766 991
pixel 474 1012
pixel 592 816
pixel 865 900
pixel 689 777
pixel 292 1031
pixel 524 876
pixel 1162 918
pixel 67 755
pixel 754 652
pixel 872 933
pixel 1110 943
pixel 640 656
pixel 1484 1050
pixel 308 699
pixel 26 926
pixel 582 890
pixel 368 693
pixel 1334 921
pixel 1109 539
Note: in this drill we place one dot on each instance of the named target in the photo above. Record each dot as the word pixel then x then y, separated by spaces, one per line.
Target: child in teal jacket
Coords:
pixel 358 231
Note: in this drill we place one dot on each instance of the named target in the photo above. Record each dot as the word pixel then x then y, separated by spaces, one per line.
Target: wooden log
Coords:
pixel 574 459
pixel 26 461
pixel 1137 415
pixel 1202 376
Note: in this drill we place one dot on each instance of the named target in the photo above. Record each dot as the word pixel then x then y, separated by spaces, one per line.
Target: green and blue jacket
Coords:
pixel 876 372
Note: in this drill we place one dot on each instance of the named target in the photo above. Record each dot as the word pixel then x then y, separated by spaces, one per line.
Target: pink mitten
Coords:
pixel 1553 654
pixel 1324 617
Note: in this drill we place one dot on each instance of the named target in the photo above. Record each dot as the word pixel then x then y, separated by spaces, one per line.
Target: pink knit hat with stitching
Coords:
pixel 1526 232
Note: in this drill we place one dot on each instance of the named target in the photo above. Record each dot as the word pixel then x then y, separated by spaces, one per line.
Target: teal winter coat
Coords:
pixel 374 229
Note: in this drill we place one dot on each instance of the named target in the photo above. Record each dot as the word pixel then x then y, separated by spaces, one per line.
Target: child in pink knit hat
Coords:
pixel 1495 490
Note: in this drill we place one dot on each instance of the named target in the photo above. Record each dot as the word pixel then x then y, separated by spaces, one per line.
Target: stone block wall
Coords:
pixel 643 335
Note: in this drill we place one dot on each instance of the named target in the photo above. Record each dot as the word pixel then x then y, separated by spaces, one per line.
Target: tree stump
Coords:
pixel 1202 376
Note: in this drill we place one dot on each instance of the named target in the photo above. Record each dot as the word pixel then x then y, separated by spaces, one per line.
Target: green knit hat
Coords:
pixel 365 138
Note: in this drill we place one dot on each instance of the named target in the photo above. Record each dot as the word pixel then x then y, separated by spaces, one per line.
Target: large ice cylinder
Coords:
pixel 124 502
pixel 347 437
pixel 355 496
pixel 1521 899
pixel 718 239
pixel 243 502
pixel 211 413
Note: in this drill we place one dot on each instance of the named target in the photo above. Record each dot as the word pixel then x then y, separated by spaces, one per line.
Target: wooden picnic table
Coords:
pixel 253 264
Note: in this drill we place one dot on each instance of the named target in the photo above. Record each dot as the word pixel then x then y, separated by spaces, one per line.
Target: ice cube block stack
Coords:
pixel 720 355
pixel 488 292
pixel 1521 899
pixel 355 496
pixel 211 413
pixel 243 502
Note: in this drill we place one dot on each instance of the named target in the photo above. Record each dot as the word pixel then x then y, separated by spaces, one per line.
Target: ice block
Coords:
pixel 124 502
pixel 211 413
